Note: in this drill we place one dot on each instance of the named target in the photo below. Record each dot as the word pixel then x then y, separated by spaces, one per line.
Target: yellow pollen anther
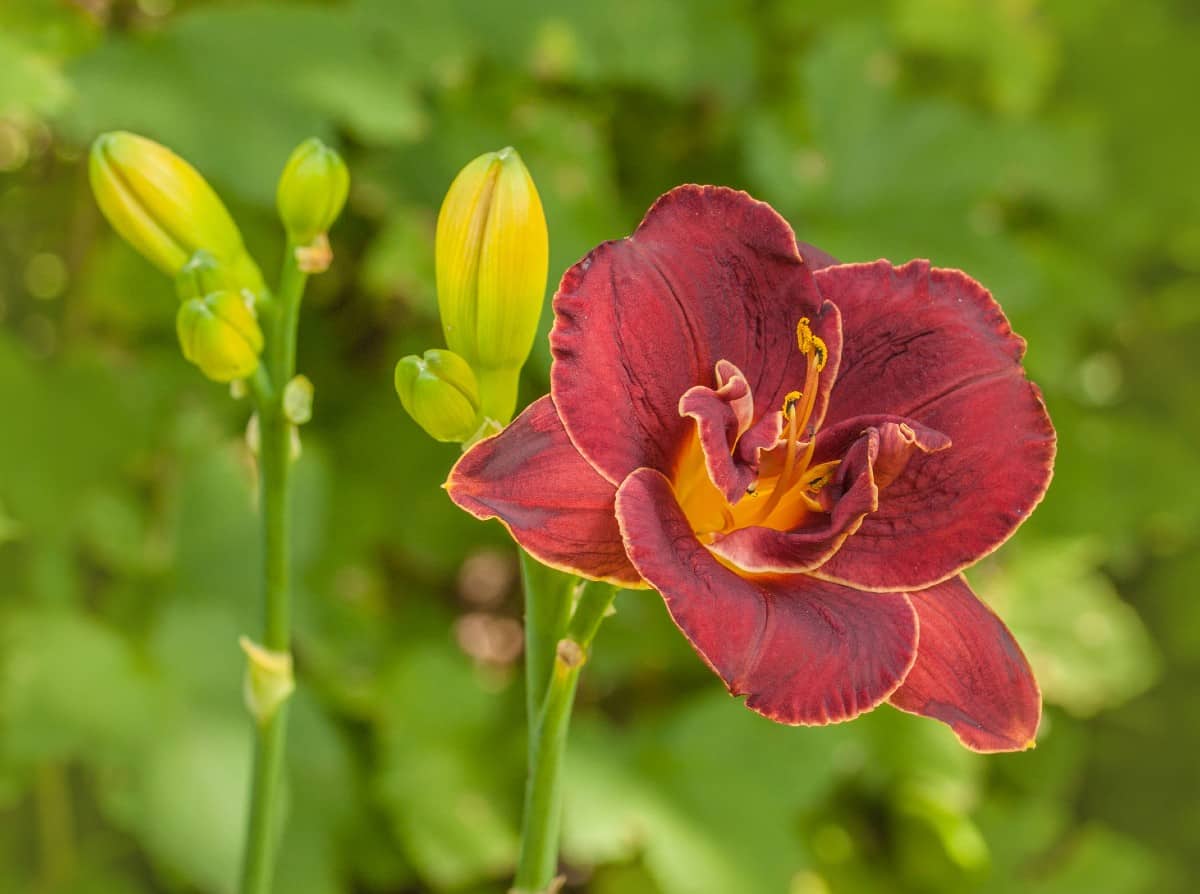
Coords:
pixel 804 335
pixel 811 344
pixel 820 353
pixel 818 476
pixel 789 402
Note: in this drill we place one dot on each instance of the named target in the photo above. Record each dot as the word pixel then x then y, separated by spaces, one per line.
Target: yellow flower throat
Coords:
pixel 787 488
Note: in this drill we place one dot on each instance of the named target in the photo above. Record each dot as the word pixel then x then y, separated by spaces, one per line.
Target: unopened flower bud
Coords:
pixel 440 393
pixel 312 191
pixel 220 334
pixel 492 261
pixel 163 207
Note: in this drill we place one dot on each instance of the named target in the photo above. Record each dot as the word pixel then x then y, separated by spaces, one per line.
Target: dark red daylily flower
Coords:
pixel 800 456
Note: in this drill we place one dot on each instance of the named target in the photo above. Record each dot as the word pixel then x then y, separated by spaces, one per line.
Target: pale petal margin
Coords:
pixel 933 346
pixel 802 651
pixel 970 673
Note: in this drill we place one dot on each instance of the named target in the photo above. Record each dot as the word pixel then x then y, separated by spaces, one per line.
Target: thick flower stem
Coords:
pixel 548 738
pixel 548 596
pixel 275 459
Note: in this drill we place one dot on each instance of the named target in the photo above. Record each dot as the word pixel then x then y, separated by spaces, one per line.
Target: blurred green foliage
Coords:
pixel 1044 147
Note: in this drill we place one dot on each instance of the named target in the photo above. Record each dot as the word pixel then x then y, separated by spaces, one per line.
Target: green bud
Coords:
pixel 440 393
pixel 312 191
pixel 492 260
pixel 298 399
pixel 163 208
pixel 220 334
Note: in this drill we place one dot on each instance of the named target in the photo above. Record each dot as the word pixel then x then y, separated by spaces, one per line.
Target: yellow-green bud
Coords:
pixel 219 333
pixel 312 191
pixel 163 207
pixel 298 400
pixel 492 261
pixel 440 393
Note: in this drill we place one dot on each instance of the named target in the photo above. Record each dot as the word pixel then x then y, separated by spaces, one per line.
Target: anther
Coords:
pixel 789 402
pixel 804 335
pixel 820 353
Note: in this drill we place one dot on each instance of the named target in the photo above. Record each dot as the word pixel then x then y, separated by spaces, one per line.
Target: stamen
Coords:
pixel 804 335
pixel 799 443
pixel 811 344
pixel 798 407
pixel 820 353
pixel 789 459
pixel 819 476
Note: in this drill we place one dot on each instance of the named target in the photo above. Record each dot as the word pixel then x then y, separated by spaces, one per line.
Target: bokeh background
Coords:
pixel 1047 148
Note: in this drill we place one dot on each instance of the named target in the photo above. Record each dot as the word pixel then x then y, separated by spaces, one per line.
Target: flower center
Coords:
pixel 787 485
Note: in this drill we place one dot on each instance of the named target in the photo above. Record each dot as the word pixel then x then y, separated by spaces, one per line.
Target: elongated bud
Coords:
pixel 269 680
pixel 163 207
pixel 220 334
pixel 492 261
pixel 312 191
pixel 440 393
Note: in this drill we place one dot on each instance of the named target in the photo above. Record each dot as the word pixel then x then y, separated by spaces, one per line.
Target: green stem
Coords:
pixel 548 739
pixel 275 467
pixel 548 596
pixel 56 826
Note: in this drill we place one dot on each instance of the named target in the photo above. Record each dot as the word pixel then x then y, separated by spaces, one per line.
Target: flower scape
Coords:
pixel 800 456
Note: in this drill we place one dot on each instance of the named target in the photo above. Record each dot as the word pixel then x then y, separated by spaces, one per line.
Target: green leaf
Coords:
pixel 709 796
pixel 284 74
pixel 32 84
pixel 447 777
pixel 186 802
pixel 70 687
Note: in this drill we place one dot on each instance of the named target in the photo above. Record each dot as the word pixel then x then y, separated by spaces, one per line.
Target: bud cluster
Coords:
pixel 492 260
pixel 168 212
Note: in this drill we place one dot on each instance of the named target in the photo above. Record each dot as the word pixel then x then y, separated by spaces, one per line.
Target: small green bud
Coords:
pixel 492 261
pixel 269 680
pixel 164 208
pixel 254 434
pixel 219 333
pixel 440 393
pixel 312 191
pixel 297 400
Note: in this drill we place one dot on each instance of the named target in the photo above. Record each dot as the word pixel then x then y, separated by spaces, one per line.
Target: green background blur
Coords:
pixel 1048 148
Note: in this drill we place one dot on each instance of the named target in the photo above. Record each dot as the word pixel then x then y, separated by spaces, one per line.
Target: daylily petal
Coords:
pixel 555 505
pixel 710 274
pixel 815 258
pixel 724 418
pixel 873 451
pixel 970 672
pixel 802 651
pixel 933 346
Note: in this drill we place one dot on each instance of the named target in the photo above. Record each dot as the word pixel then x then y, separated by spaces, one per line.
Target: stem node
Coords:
pixel 570 654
